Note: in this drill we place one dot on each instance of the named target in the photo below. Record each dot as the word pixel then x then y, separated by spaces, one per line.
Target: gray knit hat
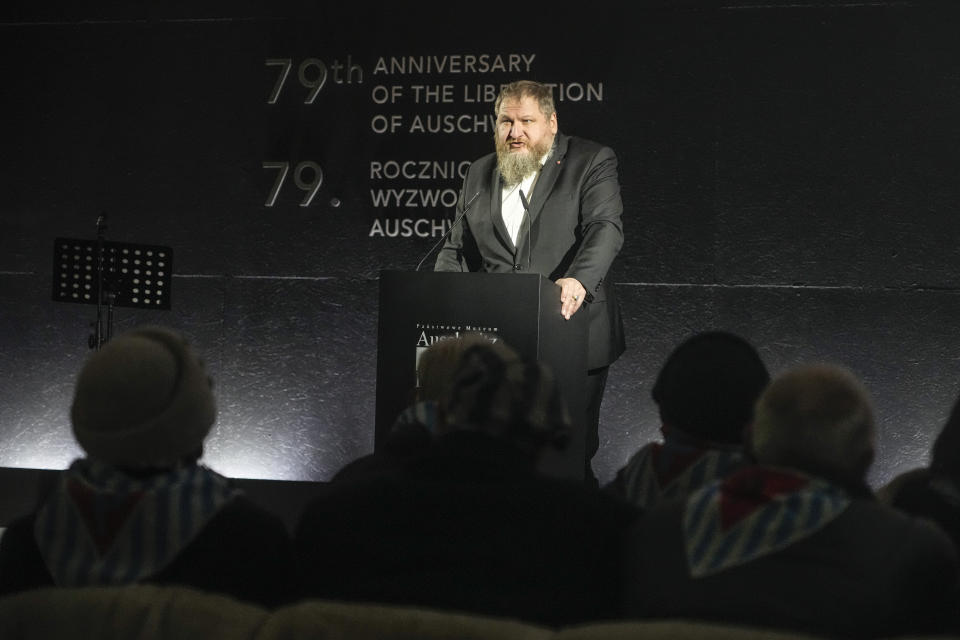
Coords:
pixel 143 400
pixel 497 393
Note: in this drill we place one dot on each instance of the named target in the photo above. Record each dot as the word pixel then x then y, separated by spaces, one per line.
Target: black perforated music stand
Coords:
pixel 111 274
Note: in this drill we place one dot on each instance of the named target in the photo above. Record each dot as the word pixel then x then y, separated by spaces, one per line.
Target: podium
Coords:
pixel 417 308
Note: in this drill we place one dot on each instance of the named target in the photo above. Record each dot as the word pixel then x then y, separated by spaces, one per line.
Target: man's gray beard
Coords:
pixel 514 167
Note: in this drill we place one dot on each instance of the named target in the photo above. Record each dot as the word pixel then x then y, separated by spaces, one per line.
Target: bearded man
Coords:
pixel 548 203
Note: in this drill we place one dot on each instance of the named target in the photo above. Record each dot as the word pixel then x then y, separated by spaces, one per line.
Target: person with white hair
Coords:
pixel 139 507
pixel 796 541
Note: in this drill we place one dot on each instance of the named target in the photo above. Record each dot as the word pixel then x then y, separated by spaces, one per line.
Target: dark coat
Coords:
pixel 575 231
pixel 920 493
pixel 467 526
pixel 243 551
pixel 870 572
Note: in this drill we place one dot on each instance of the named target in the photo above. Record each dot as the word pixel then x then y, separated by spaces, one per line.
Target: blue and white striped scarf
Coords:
pixel 755 512
pixel 102 527
pixel 423 414
pixel 660 471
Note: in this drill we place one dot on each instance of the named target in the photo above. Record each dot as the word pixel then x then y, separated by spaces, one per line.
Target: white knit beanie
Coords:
pixel 143 400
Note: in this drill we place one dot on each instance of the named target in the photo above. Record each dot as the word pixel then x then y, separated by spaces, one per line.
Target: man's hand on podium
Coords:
pixel 571 296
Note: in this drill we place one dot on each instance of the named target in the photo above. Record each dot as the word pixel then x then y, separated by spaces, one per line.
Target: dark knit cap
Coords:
pixel 709 384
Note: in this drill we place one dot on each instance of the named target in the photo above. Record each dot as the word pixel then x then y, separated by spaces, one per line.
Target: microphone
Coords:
pixel 101 224
pixel 526 217
pixel 448 231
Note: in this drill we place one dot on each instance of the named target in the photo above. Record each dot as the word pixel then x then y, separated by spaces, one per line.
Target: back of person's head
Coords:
pixel 143 401
pixel 438 363
pixel 945 454
pixel 708 385
pixel 818 419
pixel 500 395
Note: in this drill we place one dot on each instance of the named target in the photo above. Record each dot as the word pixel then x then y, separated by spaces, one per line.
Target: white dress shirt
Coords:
pixel 511 206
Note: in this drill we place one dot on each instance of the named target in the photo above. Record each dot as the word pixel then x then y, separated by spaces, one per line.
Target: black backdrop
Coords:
pixel 789 173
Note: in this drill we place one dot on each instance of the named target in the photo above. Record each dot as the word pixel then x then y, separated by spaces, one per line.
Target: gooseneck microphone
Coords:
pixel 526 217
pixel 448 231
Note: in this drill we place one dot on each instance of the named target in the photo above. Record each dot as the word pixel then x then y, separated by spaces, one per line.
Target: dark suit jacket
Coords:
pixel 574 231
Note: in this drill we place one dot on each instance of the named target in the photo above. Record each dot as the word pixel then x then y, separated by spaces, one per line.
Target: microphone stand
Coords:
pixel 450 230
pixel 526 218
pixel 100 337
pixel 74 262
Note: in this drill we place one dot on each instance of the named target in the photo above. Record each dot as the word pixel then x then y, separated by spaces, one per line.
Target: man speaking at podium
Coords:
pixel 547 203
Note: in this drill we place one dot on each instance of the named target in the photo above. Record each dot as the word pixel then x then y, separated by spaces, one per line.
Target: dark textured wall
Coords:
pixel 788 171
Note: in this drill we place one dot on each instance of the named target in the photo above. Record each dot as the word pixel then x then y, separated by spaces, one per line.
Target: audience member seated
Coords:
pixel 469 524
pixel 933 491
pixel 705 393
pixel 796 542
pixel 419 422
pixel 139 507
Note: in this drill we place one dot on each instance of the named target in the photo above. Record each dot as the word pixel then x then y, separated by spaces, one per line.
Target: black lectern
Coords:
pixel 418 308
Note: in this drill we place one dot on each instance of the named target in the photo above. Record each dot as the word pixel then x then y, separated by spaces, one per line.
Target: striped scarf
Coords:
pixel 660 471
pixel 102 527
pixel 753 513
pixel 423 414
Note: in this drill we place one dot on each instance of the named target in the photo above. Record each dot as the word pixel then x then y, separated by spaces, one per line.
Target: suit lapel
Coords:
pixel 548 178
